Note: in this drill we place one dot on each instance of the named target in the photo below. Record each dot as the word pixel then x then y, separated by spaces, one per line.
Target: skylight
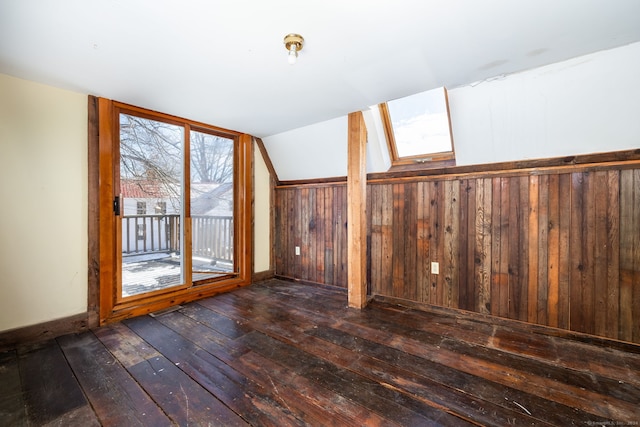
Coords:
pixel 418 126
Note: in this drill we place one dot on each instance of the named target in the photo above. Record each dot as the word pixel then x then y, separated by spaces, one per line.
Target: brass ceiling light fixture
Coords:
pixel 293 43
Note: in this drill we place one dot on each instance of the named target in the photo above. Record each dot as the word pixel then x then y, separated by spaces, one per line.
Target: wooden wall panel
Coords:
pixel 399 236
pixel 314 219
pixel 451 254
pixel 612 308
pixel 629 328
pixel 542 264
pixel 423 269
pixel 560 248
pixel 329 262
pixel 563 263
pixel 386 280
pixel 502 243
pixel 436 241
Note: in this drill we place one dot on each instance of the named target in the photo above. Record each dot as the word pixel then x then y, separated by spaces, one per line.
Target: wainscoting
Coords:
pixel 556 246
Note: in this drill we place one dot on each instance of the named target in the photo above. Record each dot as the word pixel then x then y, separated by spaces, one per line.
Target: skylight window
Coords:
pixel 418 128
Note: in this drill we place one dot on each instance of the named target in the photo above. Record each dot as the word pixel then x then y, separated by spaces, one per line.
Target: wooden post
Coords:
pixel 356 212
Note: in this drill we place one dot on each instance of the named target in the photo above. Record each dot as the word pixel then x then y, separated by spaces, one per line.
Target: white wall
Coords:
pixel 262 209
pixel 43 220
pixel 315 151
pixel 320 150
pixel 585 105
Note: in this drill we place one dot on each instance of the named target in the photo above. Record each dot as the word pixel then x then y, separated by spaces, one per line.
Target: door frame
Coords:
pixel 103 262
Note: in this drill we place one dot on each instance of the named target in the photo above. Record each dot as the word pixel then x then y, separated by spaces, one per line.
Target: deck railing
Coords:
pixel 212 236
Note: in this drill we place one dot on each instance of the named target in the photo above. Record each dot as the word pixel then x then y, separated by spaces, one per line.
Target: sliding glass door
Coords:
pixel 170 209
pixel 176 206
pixel 212 205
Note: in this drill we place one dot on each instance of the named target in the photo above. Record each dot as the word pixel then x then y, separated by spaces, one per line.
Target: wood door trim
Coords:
pixel 103 266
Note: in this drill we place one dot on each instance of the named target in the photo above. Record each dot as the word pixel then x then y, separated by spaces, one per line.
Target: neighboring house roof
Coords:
pixel 142 189
pixel 212 199
pixel 206 198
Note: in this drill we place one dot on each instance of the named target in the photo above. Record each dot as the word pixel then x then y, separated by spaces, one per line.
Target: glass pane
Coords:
pixel 421 123
pixel 151 188
pixel 211 205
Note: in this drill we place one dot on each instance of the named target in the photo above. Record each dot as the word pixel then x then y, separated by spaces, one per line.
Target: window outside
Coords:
pixel 420 124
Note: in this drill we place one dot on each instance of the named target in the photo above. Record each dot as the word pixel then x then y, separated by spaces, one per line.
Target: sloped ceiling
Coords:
pixel 223 62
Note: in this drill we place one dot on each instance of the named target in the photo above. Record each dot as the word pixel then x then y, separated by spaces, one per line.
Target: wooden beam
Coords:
pixel 356 215
pixel 93 185
pixel 106 220
pixel 267 160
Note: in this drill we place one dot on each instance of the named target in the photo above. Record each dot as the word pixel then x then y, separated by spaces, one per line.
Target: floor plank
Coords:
pixel 52 394
pixel 304 355
pixel 116 397
pixel 237 392
pixel 375 396
pixel 335 410
pixel 281 353
pixel 472 392
pixel 439 394
pixel 304 408
pixel 580 389
pixel 12 407
pixel 181 398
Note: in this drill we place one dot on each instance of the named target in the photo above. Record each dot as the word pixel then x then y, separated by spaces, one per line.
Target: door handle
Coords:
pixel 116 205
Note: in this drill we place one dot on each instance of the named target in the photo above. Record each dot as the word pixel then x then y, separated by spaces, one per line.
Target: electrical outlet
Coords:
pixel 297 250
pixel 435 268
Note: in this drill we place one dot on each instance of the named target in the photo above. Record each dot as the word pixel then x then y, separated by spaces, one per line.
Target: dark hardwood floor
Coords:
pixel 285 354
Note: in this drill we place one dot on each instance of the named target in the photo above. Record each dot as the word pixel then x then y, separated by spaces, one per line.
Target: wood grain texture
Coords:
pixel 45 377
pixel 118 399
pixel 267 160
pixel 271 355
pixel 542 264
pixel 553 250
pixel 356 211
pixel 450 270
pixel 13 411
pixel 533 243
pixel 559 249
pixel 43 331
pixel 564 245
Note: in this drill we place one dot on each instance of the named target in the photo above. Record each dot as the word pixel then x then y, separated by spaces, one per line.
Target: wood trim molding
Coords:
pixel 388 131
pixel 263 275
pixel 267 160
pixel 44 331
pixel 314 181
pixel 356 212
pixel 273 181
pixel 93 279
pixel 106 230
pixel 614 159
pixel 244 211
pixel 103 225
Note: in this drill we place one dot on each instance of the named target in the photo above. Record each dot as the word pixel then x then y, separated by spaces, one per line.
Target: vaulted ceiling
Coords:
pixel 224 63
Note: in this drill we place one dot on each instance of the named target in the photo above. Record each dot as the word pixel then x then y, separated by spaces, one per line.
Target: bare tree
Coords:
pixel 211 158
pixel 151 151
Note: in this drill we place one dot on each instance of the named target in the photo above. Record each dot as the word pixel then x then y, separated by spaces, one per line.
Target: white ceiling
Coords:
pixel 224 63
